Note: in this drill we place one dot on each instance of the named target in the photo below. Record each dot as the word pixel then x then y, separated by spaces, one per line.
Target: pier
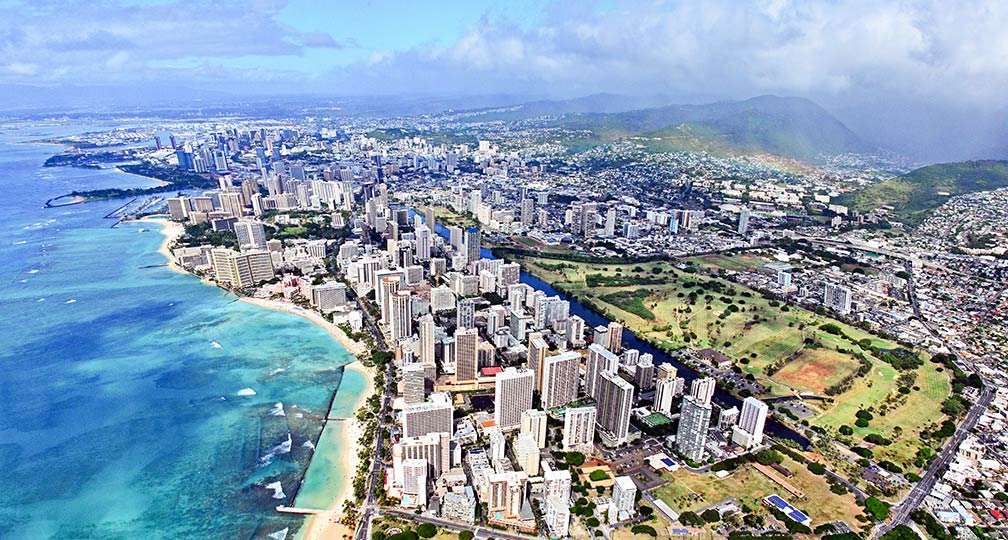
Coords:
pixel 300 511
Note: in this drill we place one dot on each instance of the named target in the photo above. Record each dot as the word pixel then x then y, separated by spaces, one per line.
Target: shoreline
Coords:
pixel 325 525
pixel 355 348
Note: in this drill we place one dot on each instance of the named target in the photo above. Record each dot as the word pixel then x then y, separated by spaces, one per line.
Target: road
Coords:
pixel 377 464
pixel 478 531
pixel 901 514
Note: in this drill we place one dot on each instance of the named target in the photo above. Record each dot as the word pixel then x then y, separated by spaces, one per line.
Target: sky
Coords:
pixel 887 55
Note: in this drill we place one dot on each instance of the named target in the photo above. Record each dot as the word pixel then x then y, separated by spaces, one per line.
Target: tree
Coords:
pixel 769 457
pixel 816 468
pixel 711 515
pixel 465 535
pixel 426 530
pixel 593 521
pixel 901 532
pixel 598 475
pixel 690 519
pixel 877 509
pixel 575 458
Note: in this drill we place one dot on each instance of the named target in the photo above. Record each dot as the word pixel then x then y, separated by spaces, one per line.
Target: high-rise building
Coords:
pixel 241 270
pixel 427 338
pixel 526 453
pixel 402 315
pixel 665 389
pixel 579 428
pixel 599 361
pixel 455 237
pixel 414 482
pixel 472 244
pixel 624 503
pixel 644 373
pixel 433 448
pixel 431 416
pixel 389 287
pixel 560 379
pixel 424 240
pixel 837 298
pixel 575 331
pixel 743 221
pixel 557 484
pixel 694 420
pixel 749 431
pixel 507 492
pixel 615 337
pixel 702 390
pixel 512 396
pixel 466 314
pixel 537 349
pixel 615 400
pixel 328 296
pixel 557 517
pixel 533 422
pixel 429 218
pixel 231 203
pixel 466 358
pixel 610 222
pixel 413 383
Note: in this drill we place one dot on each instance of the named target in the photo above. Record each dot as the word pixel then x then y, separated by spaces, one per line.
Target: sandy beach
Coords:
pixel 326 525
pixel 171 230
pixel 356 348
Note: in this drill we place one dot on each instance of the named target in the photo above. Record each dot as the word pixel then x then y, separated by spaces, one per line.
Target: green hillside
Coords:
pixel 791 127
pixel 918 193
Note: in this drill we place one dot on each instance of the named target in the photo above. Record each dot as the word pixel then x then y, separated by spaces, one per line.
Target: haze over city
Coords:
pixel 921 77
pixel 683 270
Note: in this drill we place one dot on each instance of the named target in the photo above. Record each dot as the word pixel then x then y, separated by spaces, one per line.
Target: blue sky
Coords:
pixel 841 51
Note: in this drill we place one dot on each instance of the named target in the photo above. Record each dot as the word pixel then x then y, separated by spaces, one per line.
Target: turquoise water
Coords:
pixel 122 417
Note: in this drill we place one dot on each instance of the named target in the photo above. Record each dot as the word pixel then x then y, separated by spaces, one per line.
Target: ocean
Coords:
pixel 140 402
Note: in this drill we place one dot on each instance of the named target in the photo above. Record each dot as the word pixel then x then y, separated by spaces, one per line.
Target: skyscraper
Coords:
pixel 615 400
pixel 749 431
pixel 615 337
pixel 837 298
pixel 624 501
pixel 389 287
pixel 431 416
pixel 472 244
pixel 533 422
pixel 599 360
pixel 579 428
pixel 537 350
pixel 423 243
pixel 559 379
pixel 466 314
pixel 512 396
pixel 251 234
pixel 402 315
pixel 427 337
pixel 703 389
pixel 466 358
pixel 665 389
pixel 743 221
pixel 691 437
